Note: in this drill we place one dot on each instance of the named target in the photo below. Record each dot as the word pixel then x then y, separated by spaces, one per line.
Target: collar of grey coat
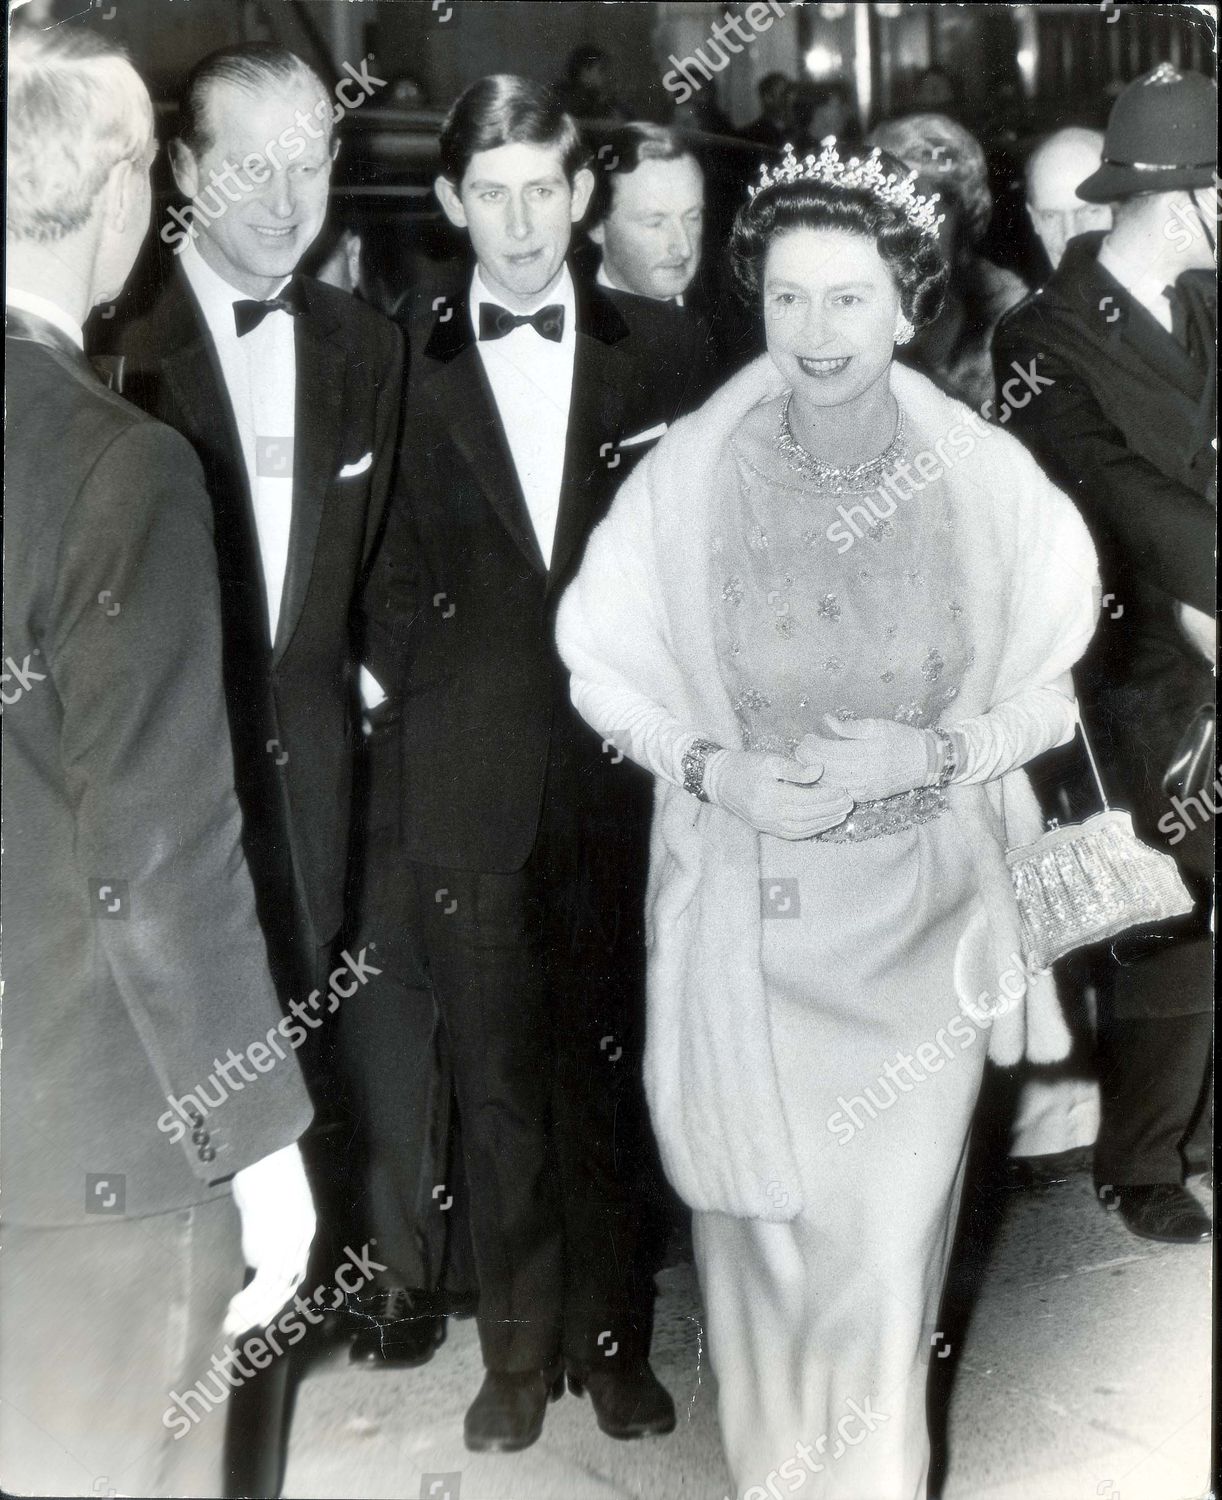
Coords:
pixel 1087 286
pixel 31 329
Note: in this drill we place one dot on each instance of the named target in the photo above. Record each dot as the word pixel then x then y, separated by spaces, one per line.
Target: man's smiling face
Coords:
pixel 259 239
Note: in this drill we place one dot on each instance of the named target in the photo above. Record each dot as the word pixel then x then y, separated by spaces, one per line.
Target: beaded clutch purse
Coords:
pixel 1091 880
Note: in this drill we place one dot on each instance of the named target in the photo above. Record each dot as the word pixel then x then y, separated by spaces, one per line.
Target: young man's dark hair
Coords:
pixel 504 110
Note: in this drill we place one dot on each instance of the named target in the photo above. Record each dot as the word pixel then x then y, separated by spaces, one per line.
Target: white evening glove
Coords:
pixel 873 758
pixel 774 795
pixel 277 1210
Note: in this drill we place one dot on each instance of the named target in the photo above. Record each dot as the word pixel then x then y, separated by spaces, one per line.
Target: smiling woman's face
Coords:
pixel 830 311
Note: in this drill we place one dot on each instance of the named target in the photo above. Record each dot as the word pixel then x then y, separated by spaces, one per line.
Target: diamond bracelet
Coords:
pixel 695 758
pixel 950 758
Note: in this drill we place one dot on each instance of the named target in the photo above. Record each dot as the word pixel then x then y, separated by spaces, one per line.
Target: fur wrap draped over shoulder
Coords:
pixel 638 618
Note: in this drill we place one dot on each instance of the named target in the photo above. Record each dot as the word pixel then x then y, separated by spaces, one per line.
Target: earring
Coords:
pixel 903 330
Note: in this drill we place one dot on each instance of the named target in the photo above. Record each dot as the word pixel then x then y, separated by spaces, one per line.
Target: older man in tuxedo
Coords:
pixel 290 392
pixel 522 838
pixel 132 955
pixel 1125 337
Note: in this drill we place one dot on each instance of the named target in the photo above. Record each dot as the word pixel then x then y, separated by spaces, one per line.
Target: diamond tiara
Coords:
pixel 830 169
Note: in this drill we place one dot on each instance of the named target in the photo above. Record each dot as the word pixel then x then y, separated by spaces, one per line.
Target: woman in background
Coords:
pixel 955 349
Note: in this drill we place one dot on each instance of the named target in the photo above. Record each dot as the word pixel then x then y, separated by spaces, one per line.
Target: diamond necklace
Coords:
pixel 864 476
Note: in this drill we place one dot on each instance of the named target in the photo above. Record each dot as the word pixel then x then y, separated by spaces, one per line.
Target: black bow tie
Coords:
pixel 248 314
pixel 495 322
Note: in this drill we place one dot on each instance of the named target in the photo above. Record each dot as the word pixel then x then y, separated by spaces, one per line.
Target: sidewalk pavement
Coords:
pixel 1078 1369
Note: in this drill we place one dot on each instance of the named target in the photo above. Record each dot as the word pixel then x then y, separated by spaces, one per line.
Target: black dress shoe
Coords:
pixel 396 1329
pixel 1163 1211
pixel 629 1402
pixel 507 1415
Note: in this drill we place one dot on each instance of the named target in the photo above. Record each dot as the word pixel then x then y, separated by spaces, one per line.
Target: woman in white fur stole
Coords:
pixel 834 613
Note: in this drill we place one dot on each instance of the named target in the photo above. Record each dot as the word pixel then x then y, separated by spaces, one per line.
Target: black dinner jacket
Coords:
pixel 291 701
pixel 1125 426
pixel 461 607
pixel 132 954
pixel 675 349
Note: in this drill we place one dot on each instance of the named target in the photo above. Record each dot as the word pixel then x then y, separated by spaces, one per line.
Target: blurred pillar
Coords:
pixel 863 65
pixel 344 31
pixel 681 27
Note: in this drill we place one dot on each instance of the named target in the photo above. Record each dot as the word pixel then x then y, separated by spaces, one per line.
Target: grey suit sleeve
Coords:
pixel 135 656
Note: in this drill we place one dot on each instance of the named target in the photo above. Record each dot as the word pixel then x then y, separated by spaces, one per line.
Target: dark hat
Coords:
pixel 1162 134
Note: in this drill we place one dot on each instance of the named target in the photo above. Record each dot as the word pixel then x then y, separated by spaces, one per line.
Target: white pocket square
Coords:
pixel 350 471
pixel 644 437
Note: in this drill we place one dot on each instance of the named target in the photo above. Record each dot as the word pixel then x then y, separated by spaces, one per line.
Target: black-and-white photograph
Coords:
pixel 609 763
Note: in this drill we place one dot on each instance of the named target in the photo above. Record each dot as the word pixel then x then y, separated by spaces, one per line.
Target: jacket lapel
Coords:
pixel 198 405
pixel 184 357
pixel 462 398
pixel 31 329
pixel 602 374
pixel 318 420
pixel 1136 338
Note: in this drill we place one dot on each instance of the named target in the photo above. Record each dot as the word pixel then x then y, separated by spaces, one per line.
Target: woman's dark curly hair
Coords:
pixel 913 258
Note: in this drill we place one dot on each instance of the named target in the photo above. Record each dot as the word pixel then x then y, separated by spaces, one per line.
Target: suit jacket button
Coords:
pixel 207 1153
pixel 200 1136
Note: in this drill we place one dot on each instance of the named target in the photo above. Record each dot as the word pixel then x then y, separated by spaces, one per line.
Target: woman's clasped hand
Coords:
pixel 775 795
pixel 872 758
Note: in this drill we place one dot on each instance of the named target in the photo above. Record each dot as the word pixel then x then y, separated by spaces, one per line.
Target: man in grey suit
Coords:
pixel 133 959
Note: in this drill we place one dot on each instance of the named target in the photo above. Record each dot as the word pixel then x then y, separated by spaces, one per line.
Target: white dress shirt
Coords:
pixel 1144 286
pixel 260 371
pixel 49 312
pixel 601 277
pixel 532 383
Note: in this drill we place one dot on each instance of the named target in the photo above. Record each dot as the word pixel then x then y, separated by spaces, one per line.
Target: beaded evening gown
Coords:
pixel 821 1329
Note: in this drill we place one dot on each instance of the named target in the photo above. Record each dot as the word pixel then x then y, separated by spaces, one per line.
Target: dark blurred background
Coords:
pixel 1008 73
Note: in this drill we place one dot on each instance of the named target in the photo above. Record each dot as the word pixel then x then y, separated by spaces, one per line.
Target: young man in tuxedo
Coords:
pixel 290 392
pixel 132 956
pixel 522 838
pixel 647 221
pixel 1125 336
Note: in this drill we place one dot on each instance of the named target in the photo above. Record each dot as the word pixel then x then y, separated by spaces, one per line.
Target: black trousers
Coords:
pixel 1154 1067
pixel 406 1187
pixel 539 982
